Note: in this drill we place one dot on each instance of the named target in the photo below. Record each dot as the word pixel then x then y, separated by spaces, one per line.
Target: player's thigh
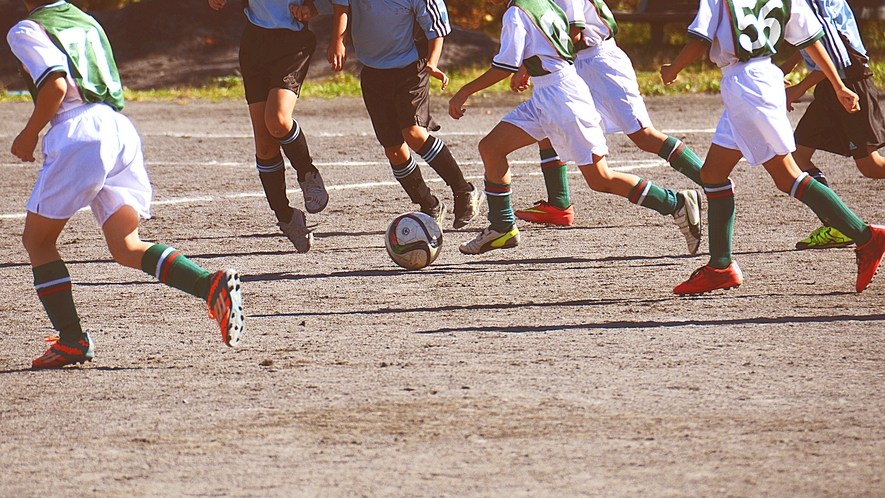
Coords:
pixel 378 96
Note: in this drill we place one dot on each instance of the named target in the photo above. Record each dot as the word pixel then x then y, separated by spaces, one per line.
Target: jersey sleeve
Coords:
pixel 705 23
pixel 513 39
pixel 39 56
pixel 574 12
pixel 433 18
pixel 803 28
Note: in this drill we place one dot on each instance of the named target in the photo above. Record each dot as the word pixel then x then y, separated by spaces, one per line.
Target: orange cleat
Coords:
pixel 869 256
pixel 65 353
pixel 707 278
pixel 546 213
pixel 226 305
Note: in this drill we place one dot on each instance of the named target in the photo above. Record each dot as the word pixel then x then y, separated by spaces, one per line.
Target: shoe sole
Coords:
pixel 701 293
pixel 51 367
pixel 539 222
pixel 236 320
pixel 828 246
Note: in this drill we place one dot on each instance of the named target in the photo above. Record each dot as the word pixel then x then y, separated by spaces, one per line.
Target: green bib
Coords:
pixel 89 53
pixel 552 22
pixel 606 16
pixel 758 26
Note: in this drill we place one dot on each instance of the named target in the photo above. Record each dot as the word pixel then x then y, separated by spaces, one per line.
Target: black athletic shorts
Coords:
pixel 826 125
pixel 397 99
pixel 274 58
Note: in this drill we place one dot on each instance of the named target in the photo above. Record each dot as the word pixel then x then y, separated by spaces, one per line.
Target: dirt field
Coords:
pixel 563 367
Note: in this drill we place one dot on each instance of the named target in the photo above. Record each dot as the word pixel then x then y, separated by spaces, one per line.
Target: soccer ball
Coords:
pixel 413 240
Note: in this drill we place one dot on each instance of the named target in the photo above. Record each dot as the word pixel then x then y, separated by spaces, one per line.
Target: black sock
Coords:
pixel 409 176
pixel 272 173
pixel 438 156
pixel 296 149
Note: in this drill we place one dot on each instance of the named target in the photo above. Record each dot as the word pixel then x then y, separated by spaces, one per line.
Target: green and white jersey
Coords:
pixel 740 30
pixel 595 19
pixel 534 33
pixel 60 38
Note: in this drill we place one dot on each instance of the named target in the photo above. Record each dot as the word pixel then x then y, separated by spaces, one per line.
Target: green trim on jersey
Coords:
pixel 89 53
pixel 757 26
pixel 606 16
pixel 553 24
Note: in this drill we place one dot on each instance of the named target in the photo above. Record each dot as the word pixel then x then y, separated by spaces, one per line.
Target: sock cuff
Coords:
pixel 637 195
pixel 497 189
pixel 801 184
pixel 722 190
pixel 431 148
pixel 671 148
pixel 403 170
pixel 270 165
pixel 293 134
pixel 51 277
pixel 157 260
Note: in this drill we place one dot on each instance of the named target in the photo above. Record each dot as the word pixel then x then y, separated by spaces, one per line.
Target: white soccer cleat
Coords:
pixel 688 217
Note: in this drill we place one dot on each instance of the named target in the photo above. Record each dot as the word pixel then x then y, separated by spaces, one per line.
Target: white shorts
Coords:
pixel 609 74
pixel 561 109
pixel 92 157
pixel 755 120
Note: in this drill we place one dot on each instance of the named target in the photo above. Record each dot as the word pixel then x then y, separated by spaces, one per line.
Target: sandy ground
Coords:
pixel 563 367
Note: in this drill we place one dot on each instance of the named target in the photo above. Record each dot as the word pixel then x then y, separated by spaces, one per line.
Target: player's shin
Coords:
pixel 830 209
pixel 720 223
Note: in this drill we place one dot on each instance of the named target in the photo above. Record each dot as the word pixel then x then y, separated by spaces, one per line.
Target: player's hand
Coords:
pixel 848 99
pixel 456 105
pixel 217 4
pixel 520 81
pixel 24 145
pixel 793 95
pixel 668 74
pixel 301 12
pixel 436 73
pixel 336 54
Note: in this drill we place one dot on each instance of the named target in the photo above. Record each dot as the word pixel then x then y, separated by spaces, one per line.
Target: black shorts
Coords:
pixel 274 58
pixel 826 125
pixel 397 99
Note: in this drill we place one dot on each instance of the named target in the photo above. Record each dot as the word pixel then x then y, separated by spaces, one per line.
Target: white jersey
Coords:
pixel 587 15
pixel 41 59
pixel 713 26
pixel 520 39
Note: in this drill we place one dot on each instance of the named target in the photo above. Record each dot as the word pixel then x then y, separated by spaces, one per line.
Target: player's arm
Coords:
pixel 693 50
pixel 847 98
pixel 434 50
pixel 49 99
pixel 217 4
pixel 485 80
pixel 790 64
pixel 336 54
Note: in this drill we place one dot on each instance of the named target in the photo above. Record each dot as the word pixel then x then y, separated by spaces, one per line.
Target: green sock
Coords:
pixel 651 196
pixel 555 179
pixel 501 217
pixel 173 269
pixel 53 284
pixel 682 159
pixel 830 209
pixel 720 223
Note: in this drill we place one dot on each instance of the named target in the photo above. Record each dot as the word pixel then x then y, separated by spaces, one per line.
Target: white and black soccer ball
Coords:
pixel 413 240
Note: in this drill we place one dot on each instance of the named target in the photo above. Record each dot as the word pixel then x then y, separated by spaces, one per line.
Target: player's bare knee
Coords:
pixel 489 149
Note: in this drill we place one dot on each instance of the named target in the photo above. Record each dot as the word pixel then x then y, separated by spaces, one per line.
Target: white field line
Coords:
pixel 371 134
pixel 627 166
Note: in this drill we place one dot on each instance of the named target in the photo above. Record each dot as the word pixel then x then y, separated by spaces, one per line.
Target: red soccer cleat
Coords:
pixel 869 256
pixel 226 305
pixel 64 353
pixel 546 213
pixel 707 278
